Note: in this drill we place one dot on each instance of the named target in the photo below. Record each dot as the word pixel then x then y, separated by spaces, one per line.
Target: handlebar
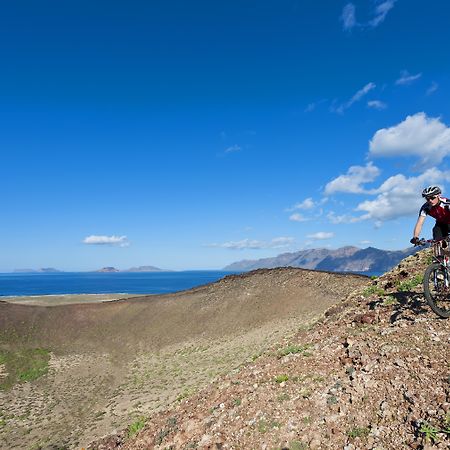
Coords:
pixel 422 241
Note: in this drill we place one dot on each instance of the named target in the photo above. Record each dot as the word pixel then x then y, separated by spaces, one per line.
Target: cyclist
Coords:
pixel 437 207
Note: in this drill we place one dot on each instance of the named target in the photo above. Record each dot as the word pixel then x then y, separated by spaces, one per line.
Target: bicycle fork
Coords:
pixel 437 278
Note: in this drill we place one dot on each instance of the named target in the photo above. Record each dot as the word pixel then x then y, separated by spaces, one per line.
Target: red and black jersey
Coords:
pixel 441 211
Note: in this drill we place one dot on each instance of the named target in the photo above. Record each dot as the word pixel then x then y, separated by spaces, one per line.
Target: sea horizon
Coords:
pixel 18 284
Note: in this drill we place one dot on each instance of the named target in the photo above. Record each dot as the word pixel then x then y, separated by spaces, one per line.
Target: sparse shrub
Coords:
pixel 407 285
pixel 297 445
pixel 389 300
pixel 373 290
pixel 305 393
pixel 256 356
pixel 429 431
pixel 373 277
pixel 264 425
pixel 283 397
pixel 360 432
pixel 295 349
pixel 281 378
pixel 332 400
pixel 135 427
pixel 99 415
pixel 185 394
pixel 24 365
pixel 237 402
pixel 171 427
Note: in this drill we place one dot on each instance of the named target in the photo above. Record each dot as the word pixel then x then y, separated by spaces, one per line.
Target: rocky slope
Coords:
pixel 111 363
pixel 373 373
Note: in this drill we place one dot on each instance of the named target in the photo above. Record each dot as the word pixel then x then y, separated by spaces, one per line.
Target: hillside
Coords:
pixel 345 259
pixel 102 366
pixel 372 373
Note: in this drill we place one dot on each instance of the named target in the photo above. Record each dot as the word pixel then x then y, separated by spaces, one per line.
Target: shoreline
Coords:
pixel 65 299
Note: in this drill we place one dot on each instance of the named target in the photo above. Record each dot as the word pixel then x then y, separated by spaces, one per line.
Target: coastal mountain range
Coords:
pixel 369 260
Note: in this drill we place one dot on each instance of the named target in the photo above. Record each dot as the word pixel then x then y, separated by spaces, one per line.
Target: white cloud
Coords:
pixel 308 203
pixel 245 244
pixel 348 16
pixel 298 218
pixel 400 196
pixel 321 235
pixel 433 88
pixel 305 204
pixel 356 97
pixel 352 181
pixel 365 242
pixel 233 148
pixel 418 135
pixel 376 104
pixel 381 11
pixel 120 241
pixel 406 78
pixel 345 218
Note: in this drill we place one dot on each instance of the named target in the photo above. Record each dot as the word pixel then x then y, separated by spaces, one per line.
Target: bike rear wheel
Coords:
pixel 435 290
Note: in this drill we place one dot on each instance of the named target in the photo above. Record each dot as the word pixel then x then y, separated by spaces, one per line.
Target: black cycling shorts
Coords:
pixel 440 230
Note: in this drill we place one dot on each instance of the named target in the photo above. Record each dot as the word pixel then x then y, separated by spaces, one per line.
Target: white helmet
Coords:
pixel 431 191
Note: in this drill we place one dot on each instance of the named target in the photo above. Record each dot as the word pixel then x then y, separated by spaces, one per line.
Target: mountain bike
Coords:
pixel 436 279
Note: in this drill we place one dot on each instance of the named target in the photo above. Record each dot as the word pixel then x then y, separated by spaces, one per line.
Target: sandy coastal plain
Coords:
pixel 66 299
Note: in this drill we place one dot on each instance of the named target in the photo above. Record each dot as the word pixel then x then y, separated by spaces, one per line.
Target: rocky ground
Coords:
pixel 112 365
pixel 373 373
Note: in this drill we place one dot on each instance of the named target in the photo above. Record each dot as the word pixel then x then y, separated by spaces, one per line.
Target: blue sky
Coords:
pixel 188 135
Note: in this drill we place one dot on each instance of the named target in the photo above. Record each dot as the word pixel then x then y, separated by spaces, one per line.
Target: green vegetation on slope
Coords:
pixel 23 365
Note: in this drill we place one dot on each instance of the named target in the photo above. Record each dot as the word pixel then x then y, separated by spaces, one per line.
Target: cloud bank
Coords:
pixel 250 244
pixel 406 78
pixel 356 97
pixel 321 235
pixel 120 241
pixel 354 179
pixel 348 16
pixel 418 135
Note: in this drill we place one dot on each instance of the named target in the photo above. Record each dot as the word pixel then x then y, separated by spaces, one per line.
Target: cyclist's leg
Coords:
pixel 440 231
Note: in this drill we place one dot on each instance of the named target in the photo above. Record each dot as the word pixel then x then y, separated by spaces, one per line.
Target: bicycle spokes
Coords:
pixel 437 290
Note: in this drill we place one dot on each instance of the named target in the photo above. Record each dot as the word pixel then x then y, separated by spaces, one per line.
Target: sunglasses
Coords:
pixel 431 198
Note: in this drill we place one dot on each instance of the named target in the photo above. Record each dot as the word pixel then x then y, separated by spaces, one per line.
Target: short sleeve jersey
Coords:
pixel 441 211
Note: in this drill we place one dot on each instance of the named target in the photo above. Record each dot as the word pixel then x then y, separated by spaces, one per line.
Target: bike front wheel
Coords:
pixel 435 289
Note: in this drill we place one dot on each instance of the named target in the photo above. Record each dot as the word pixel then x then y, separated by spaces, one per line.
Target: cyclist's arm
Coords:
pixel 419 225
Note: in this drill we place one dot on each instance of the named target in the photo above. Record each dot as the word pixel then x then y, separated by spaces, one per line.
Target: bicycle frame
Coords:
pixel 441 258
pixel 437 281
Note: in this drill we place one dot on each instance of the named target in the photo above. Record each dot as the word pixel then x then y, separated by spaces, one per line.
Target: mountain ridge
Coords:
pixel 344 259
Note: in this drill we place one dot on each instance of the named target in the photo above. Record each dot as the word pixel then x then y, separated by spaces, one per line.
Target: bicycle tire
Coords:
pixel 436 294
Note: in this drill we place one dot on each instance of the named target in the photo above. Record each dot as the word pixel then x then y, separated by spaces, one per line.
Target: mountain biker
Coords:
pixel 437 207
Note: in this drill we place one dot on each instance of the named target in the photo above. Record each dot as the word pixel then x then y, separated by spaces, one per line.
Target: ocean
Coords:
pixel 25 284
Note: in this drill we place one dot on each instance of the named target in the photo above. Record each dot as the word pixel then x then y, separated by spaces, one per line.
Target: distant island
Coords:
pixel 133 269
pixel 42 270
pixel 146 269
pixel 107 270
